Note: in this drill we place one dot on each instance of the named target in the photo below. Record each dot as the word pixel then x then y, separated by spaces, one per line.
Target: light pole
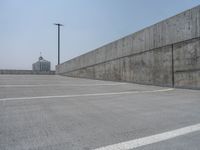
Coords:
pixel 58 24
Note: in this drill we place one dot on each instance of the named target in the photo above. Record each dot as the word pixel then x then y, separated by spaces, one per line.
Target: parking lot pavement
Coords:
pixel 190 141
pixel 49 112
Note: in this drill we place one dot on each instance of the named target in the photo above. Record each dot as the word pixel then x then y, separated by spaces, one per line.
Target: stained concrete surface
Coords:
pixel 83 123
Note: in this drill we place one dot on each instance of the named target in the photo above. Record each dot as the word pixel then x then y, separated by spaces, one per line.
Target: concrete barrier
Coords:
pixel 6 71
pixel 165 54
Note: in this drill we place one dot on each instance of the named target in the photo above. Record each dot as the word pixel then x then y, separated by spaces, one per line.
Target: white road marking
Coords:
pixel 43 85
pixel 85 95
pixel 152 139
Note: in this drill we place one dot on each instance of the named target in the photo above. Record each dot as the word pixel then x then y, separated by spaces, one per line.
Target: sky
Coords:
pixel 26 26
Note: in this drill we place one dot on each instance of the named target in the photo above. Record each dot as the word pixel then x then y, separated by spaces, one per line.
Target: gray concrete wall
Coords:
pixel 6 71
pixel 155 55
pixel 187 64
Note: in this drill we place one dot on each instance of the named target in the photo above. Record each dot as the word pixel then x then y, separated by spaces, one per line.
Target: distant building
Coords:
pixel 42 65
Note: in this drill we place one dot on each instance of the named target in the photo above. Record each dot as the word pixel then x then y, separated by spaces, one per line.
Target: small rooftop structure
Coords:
pixel 41 65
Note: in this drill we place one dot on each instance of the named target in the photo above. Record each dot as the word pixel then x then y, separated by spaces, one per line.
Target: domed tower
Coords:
pixel 42 65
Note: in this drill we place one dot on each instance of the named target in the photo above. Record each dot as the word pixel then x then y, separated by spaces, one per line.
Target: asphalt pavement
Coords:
pixel 50 112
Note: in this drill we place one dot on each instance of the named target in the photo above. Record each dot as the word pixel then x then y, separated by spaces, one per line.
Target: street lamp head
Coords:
pixel 58 24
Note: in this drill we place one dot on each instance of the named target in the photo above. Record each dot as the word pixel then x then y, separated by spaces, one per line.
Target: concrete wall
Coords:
pixel 27 72
pixel 165 54
pixel 187 64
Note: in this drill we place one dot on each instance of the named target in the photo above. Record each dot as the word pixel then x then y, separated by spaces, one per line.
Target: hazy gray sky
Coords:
pixel 26 26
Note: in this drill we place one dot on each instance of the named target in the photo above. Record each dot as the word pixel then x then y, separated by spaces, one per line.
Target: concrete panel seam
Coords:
pixel 187 70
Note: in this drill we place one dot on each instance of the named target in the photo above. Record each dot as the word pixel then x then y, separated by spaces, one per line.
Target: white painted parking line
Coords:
pixel 85 95
pixel 152 139
pixel 43 85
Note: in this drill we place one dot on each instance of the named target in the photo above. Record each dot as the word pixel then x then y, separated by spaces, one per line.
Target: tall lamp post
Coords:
pixel 58 24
